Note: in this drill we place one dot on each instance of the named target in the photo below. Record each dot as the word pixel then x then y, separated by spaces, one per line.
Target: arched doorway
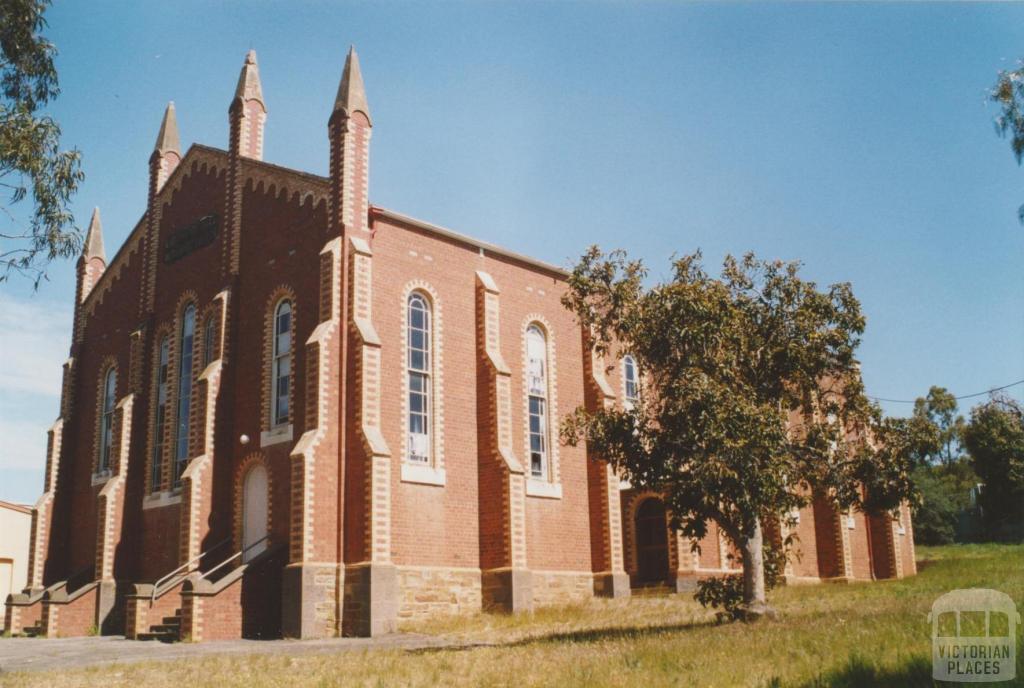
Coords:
pixel 651 542
pixel 254 511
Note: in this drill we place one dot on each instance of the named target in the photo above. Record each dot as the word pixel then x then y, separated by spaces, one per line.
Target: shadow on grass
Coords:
pixel 923 564
pixel 859 671
pixel 590 635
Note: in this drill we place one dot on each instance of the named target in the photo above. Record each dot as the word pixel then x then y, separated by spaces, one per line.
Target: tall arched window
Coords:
pixel 107 420
pixel 537 392
pixel 209 333
pixel 281 374
pixel 418 369
pixel 630 381
pixel 186 350
pixel 160 416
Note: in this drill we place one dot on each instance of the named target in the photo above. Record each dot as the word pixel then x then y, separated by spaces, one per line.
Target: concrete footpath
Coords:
pixel 45 654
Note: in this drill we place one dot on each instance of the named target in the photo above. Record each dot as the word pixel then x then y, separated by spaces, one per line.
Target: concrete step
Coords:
pixel 176 619
pixel 32 631
pixel 165 628
pixel 162 636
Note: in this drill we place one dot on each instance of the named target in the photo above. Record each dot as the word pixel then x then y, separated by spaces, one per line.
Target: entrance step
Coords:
pixel 168 632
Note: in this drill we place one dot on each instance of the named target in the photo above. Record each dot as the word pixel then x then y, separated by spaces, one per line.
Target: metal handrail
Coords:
pixel 237 554
pixel 180 569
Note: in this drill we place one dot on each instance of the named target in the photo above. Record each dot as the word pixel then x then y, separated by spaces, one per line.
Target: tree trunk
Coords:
pixel 755 602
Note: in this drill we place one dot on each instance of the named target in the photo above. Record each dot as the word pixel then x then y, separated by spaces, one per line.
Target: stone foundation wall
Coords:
pixel 552 588
pixel 426 591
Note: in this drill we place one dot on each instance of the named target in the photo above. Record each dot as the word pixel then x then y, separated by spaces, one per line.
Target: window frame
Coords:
pixel 185 384
pixel 108 402
pixel 209 339
pixel 542 414
pixel 277 357
pixel 628 364
pixel 423 372
pixel 161 400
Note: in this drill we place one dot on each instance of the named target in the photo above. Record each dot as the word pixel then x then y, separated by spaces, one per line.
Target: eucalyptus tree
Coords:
pixel 32 164
pixel 752 398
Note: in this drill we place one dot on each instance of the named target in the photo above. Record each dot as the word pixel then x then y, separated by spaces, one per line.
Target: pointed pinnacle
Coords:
pixel 249 87
pixel 351 93
pixel 167 140
pixel 93 247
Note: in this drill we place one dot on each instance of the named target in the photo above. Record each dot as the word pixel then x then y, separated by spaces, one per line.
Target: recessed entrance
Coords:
pixel 651 542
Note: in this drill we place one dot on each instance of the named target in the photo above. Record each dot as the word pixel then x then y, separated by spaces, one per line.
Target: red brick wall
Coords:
pixel 439 526
pixel 805 552
pixel 220 614
pixel 76 618
pixel 859 546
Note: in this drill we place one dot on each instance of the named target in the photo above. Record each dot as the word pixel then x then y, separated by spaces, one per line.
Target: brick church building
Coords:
pixel 287 411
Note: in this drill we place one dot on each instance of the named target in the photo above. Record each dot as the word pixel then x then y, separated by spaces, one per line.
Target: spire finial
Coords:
pixel 167 140
pixel 249 87
pixel 351 93
pixel 93 247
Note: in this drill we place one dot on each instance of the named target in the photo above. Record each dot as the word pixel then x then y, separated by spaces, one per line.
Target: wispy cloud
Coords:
pixel 34 339
pixel 24 446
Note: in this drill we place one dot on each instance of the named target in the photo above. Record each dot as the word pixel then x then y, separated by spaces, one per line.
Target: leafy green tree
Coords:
pixel 31 161
pixel 937 426
pixel 944 513
pixel 752 397
pixel 995 442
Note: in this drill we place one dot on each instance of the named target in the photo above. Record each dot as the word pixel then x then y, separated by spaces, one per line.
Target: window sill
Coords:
pixel 543 489
pixel 282 433
pixel 161 499
pixel 100 478
pixel 422 474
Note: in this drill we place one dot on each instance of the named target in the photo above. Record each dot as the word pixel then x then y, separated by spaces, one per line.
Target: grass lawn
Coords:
pixel 864 634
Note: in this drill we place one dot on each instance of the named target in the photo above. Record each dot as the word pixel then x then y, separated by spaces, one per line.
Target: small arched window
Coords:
pixel 281 374
pixel 631 381
pixel 187 351
pixel 418 370
pixel 209 335
pixel 107 420
pixel 160 416
pixel 537 399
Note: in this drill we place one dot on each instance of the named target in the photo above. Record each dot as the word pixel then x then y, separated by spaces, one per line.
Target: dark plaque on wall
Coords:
pixel 192 237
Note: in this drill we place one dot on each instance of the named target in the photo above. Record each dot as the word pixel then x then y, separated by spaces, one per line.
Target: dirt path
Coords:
pixel 41 654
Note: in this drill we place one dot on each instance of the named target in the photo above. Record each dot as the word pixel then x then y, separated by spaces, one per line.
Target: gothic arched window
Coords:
pixel 186 352
pixel 281 373
pixel 419 373
pixel 160 415
pixel 107 419
pixel 537 399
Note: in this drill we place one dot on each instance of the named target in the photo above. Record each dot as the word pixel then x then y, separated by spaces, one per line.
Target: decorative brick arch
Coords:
pixel 280 293
pixel 248 463
pixel 162 330
pixel 552 376
pixel 633 503
pixel 436 369
pixel 106 365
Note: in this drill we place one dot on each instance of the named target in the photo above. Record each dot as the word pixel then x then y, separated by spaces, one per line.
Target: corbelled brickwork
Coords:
pixel 372 516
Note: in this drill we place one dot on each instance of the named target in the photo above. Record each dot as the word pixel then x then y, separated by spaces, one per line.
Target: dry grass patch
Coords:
pixel 827 635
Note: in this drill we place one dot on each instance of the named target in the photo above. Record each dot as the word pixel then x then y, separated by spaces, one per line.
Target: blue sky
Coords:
pixel 854 137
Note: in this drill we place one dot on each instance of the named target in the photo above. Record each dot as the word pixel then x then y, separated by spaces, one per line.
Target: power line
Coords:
pixel 965 396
